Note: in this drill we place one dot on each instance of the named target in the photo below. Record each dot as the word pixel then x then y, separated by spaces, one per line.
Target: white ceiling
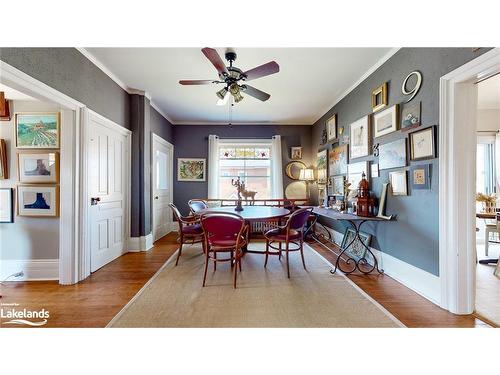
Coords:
pixel 12 94
pixel 310 81
pixel 488 95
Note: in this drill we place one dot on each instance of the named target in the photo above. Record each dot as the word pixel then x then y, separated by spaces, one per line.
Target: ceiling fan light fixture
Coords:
pixel 235 91
pixel 222 93
pixel 224 100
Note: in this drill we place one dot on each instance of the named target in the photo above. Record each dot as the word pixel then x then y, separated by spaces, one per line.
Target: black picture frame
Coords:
pixel 10 201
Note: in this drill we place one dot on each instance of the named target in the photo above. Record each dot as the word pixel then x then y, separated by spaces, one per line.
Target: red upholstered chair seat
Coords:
pixel 222 242
pixel 279 234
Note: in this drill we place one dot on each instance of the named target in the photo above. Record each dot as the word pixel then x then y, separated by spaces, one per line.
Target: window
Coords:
pixel 485 174
pixel 251 163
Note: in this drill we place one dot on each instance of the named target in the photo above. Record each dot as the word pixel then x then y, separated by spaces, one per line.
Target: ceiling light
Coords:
pixel 222 93
pixel 223 101
pixel 234 89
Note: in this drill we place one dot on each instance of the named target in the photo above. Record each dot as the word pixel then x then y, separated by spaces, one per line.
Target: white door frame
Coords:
pixel 69 236
pixel 457 181
pixel 170 147
pixel 85 254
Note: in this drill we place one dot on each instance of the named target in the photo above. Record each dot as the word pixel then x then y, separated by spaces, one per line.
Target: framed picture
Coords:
pixel 37 130
pixel 399 185
pixel 355 173
pixel 6 205
pixel 386 121
pixel 331 127
pixel 360 138
pixel 422 144
pixel 374 170
pixel 38 200
pixel 337 186
pixel 292 169
pixel 410 115
pixel 337 160
pixel 38 167
pixel 321 166
pixel 420 177
pixel 356 250
pixel 191 169
pixel 392 154
pixel 4 161
pixel 379 97
pixel 296 153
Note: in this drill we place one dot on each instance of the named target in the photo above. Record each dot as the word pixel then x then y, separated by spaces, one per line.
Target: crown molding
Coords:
pixel 218 123
pixel 372 69
pixel 160 111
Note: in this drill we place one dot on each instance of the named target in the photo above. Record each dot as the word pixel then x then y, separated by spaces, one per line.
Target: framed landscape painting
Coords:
pixel 38 200
pixel 337 160
pixel 40 167
pixel 191 169
pixel 386 121
pixel 37 130
pixel 392 154
pixel 360 138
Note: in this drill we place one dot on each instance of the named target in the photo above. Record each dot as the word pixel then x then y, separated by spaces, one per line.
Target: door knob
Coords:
pixel 156 197
pixel 94 201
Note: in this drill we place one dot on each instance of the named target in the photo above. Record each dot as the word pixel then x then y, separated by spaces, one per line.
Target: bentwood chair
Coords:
pixel 224 233
pixel 190 229
pixel 291 235
pixel 197 205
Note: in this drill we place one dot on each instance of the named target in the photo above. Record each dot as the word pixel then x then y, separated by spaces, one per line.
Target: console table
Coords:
pixel 356 222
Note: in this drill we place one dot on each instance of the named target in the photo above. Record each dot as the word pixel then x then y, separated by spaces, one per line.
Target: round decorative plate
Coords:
pixel 296 190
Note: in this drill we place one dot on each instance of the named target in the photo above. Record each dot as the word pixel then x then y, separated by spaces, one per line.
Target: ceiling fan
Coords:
pixel 231 77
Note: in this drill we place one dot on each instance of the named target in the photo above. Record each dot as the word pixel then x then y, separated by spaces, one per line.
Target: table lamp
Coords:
pixel 307 175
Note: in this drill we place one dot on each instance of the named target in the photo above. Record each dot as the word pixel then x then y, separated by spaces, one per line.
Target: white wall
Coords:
pixel 488 119
pixel 27 239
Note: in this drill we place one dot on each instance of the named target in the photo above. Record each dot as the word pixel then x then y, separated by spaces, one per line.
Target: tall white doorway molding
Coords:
pixel 457 181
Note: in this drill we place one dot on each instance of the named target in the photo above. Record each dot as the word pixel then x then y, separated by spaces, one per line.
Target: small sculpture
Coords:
pixel 239 187
pixel 365 203
pixel 248 194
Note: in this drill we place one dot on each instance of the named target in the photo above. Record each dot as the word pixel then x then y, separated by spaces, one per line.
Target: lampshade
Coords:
pixel 306 174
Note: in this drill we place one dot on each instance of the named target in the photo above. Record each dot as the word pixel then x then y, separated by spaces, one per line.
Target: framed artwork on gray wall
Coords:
pixel 386 121
pixel 360 138
pixel 399 182
pixel 420 177
pixel 37 130
pixel 321 165
pixel 410 115
pixel 191 169
pixel 296 153
pixel 337 160
pixel 392 154
pixel 331 127
pixel 422 144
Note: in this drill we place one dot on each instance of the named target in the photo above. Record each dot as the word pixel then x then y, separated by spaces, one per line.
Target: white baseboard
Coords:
pixel 34 269
pixel 422 282
pixel 143 243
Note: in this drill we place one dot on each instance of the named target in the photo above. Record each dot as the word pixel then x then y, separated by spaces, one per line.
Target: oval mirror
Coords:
pixel 293 169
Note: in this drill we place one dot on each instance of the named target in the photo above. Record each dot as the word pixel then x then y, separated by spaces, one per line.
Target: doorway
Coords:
pixel 162 155
pixel 457 181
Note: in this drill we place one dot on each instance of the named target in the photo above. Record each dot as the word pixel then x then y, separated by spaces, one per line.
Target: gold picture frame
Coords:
pixel 53 204
pixel 44 134
pixel 379 97
pixel 39 178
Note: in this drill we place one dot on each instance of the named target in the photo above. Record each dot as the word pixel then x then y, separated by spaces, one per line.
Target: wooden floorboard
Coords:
pixel 96 300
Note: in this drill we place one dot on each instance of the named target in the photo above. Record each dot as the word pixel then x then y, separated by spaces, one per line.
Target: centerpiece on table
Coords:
pixel 488 202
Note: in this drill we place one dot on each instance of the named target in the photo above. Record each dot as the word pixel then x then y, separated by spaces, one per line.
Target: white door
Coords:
pixel 108 150
pixel 161 185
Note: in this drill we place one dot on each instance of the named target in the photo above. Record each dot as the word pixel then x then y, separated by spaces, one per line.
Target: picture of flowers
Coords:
pixel 410 116
pixel 191 169
pixel 37 130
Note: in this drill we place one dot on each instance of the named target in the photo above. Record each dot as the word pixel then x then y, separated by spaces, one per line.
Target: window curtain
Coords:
pixel 497 165
pixel 276 168
pixel 213 167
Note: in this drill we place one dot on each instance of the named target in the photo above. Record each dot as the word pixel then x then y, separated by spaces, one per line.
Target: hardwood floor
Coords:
pixel 96 300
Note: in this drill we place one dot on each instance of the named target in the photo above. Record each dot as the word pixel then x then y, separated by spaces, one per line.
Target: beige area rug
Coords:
pixel 488 286
pixel 174 297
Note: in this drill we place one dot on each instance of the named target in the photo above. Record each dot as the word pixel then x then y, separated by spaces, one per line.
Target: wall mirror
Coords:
pixel 293 169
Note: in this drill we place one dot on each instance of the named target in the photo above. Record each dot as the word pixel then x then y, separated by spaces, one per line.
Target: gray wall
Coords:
pixel 161 126
pixel 191 141
pixel 414 236
pixel 67 70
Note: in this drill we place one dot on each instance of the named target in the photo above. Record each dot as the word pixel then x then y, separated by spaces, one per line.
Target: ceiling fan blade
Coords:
pixel 256 93
pixel 262 71
pixel 215 59
pixel 196 81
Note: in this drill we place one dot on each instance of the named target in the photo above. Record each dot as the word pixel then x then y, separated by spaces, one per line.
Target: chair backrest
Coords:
pixel 176 213
pixel 196 205
pixel 298 219
pixel 222 224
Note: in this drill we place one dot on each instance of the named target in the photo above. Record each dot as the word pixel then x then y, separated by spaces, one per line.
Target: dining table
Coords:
pixel 487 216
pixel 251 214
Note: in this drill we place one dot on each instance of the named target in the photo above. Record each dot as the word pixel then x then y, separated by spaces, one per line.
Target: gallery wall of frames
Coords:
pixel 29 182
pixel 387 127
